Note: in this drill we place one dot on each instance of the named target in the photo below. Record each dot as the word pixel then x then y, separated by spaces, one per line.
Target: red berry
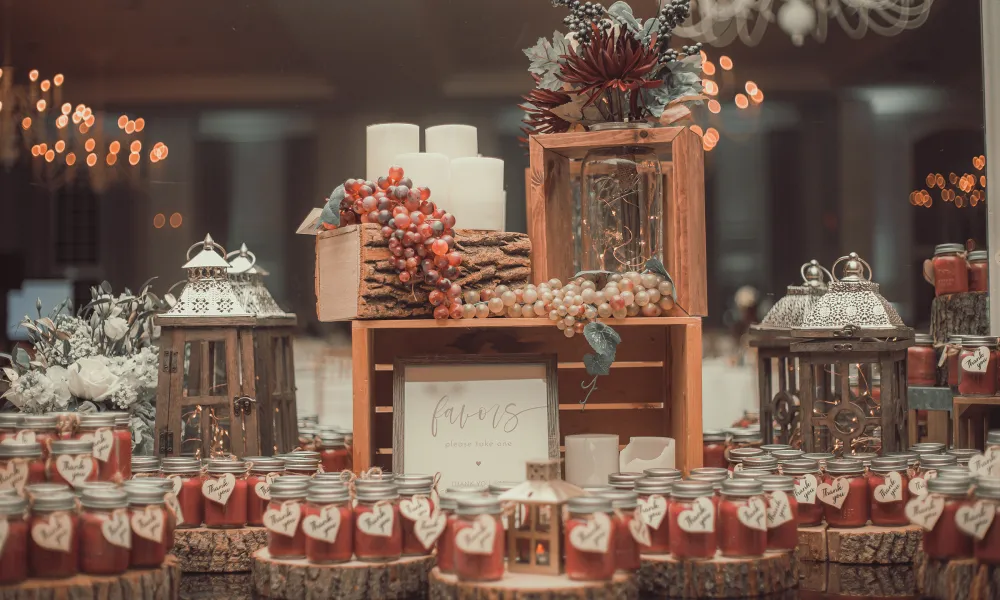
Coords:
pixel 440 247
pixel 425 192
pixel 386 231
pixel 432 277
pixel 404 276
pixel 437 214
pixel 426 230
pixel 444 284
pixel 454 259
pixel 402 220
pixel 395 173
pixel 365 190
pixel 448 219
pixel 455 291
pixel 398 210
pixel 400 264
pixel 383 183
pixel 451 272
pixel 412 262
pixel 410 204
pixel 441 312
pixel 401 192
pixel 427 208
pixel 436 297
pixel 456 309
pixel 441 262
pixel 406 181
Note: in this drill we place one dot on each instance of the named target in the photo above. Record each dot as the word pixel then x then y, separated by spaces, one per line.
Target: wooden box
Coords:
pixel 653 389
pixel 356 280
pixel 971 418
pixel 550 206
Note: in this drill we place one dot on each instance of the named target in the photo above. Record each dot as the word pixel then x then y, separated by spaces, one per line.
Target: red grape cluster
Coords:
pixel 421 235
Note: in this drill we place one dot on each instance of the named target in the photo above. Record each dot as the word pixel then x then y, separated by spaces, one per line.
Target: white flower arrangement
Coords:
pixel 104 358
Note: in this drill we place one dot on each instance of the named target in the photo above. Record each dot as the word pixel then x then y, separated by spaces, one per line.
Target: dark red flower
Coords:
pixel 539 117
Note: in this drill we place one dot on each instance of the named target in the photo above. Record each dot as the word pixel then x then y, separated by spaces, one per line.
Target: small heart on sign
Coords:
pixel 891 490
pixel 55 533
pixel 116 530
pixel 149 523
pixel 639 530
pixel 378 522
pixel 652 510
pixel 104 442
pixel 925 511
pixel 285 519
pixel 977 361
pixel 219 489
pixel 700 518
pixel 415 508
pixel 479 462
pixel 976 519
pixel 834 493
pixel 479 537
pixel 593 536
pixel 429 529
pixel 74 468
pixel 324 526
pixel 754 514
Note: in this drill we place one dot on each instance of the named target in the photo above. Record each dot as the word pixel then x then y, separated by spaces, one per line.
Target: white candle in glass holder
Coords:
pixel 454 141
pixel 477 194
pixel 385 142
pixel 428 170
pixel 590 458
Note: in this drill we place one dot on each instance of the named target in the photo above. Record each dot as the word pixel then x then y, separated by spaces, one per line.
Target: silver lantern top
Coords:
pixel 248 281
pixel 853 306
pixel 791 310
pixel 208 292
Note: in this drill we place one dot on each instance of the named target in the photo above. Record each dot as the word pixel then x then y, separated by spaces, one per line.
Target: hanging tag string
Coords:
pixel 67 424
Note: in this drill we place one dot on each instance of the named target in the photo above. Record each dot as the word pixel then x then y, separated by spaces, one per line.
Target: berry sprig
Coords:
pixel 582 17
pixel 672 14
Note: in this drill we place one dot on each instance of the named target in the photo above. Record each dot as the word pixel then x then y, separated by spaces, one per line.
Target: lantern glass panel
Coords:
pixel 190 430
pixel 218 385
pixel 219 426
pixel 276 426
pixel 192 369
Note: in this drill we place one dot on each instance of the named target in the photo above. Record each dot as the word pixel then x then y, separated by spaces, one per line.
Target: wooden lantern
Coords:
pixel 535 530
pixel 226 382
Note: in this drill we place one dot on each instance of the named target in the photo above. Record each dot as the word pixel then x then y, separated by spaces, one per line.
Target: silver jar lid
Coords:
pixel 121 417
pixel 12 504
pixel 742 487
pixel 974 341
pixel 20 450
pixel 39 489
pixel 760 462
pixel 784 456
pixel 691 489
pixel 738 454
pixel 264 464
pixel 586 504
pixel 715 480
pixel 624 480
pixel 864 457
pixel 942 249
pixel 654 485
pixel 96 420
pixel 332 439
pixel 845 466
pixel 978 256
pixel 710 471
pixel 777 483
pixel 621 499
pixel 328 494
pixel 324 478
pixel 993 437
pixel 713 435
pixel 988 487
pixel 801 466
pixel 160 483
pixel 180 464
pixel 933 461
pixel 482 490
pixel 820 457
pixel 375 494
pixel 499 487
pixel 746 435
pixel 413 489
pixel 102 497
pixel 478 505
pixel 923 339
pixel 305 463
pixel 224 465
pixel 72 447
pixel 947 486
pixel 962 454
pixel 413 478
pixel 911 458
pixel 144 494
pixel 752 473
pixel 886 464
pixel 769 448
pixel 37 422
pixel 146 464
pixel 927 448
pixel 373 484
pixel 663 473
pixel 312 454
pixel 53 500
pixel 596 490
pixel 10 420
pixel 283 489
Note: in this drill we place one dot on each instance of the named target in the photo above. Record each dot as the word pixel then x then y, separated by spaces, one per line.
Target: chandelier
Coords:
pixel 719 22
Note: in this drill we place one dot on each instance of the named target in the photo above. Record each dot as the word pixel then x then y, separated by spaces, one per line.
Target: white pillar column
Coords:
pixel 991 88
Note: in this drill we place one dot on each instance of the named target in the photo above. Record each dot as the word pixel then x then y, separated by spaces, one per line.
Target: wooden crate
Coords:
pixel 653 389
pixel 550 207
pixel 971 418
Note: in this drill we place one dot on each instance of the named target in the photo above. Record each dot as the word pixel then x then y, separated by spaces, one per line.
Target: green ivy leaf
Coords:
pixel 654 265
pixel 602 338
pixel 597 364
pixel 622 12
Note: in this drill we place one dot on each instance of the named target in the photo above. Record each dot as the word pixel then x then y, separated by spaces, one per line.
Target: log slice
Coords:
pixel 773 573
pixel 872 544
pixel 148 584
pixel 947 580
pixel 204 550
pixel 525 586
pixel 959 314
pixel 812 544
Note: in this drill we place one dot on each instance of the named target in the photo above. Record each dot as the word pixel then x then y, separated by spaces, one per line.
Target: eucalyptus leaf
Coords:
pixel 21 358
pixel 622 12
pixel 11 374
pixel 87 407
pixel 330 216
pixel 106 287
pixel 602 338
pixel 648 28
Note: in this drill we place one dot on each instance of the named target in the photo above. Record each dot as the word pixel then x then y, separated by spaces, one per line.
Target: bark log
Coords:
pixel 720 577
pixel 872 580
pixel 812 544
pixel 522 586
pixel 216 586
pixel 947 580
pixel 203 550
pixel 300 580
pixel 873 545
pixel 148 584
pixel 959 314
pixel 987 582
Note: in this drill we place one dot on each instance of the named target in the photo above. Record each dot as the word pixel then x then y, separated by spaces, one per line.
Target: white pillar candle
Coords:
pixel 590 458
pixel 385 142
pixel 477 195
pixel 428 170
pixel 454 141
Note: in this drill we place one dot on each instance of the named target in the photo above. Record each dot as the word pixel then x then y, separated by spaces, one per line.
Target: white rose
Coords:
pixel 60 383
pixel 90 379
pixel 115 328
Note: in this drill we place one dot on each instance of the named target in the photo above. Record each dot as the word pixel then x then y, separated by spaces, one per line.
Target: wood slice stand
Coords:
pixel 204 550
pixel 147 584
pixel 859 580
pixel 866 545
pixel 963 579
pixel 526 586
pixel 959 314
pixel 665 576
pixel 301 580
pixel 216 586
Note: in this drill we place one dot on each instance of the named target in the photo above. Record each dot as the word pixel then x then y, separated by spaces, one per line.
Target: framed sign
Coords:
pixel 475 419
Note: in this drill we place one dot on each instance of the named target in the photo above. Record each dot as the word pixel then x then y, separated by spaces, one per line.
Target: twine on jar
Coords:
pixel 948 351
pixel 67 424
pixel 347 476
pixel 372 473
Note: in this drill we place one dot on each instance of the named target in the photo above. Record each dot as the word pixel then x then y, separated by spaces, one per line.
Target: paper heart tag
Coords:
pixel 805 488
pixel 754 514
pixel 415 508
pixel 428 529
pixel 652 510
pixel 263 487
pixel 738 468
pixel 4 530
pixel 170 499
pixel 924 511
pixel 219 489
pixel 700 518
pixel 149 523
pixel 21 437
pixel 116 529
pixel 284 519
pixel 779 509
pixel 639 530
pixel 987 464
pixel 54 533
pixel 917 486
pixel 177 482
pixel 74 468
pixel 592 536
pixel 379 521
pixel 324 526
pixel 834 493
pixel 14 475
pixel 891 490
pixel 104 442
pixel 975 520
pixel 977 361
pixel 479 537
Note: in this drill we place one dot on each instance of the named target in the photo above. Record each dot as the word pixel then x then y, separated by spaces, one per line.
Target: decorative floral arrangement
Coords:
pixel 611 67
pixel 101 359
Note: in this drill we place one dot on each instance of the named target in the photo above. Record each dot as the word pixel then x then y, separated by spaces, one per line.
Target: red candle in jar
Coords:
pixel 943 539
pixel 921 361
pixel 43 429
pixel 283 519
pixel 186 479
pixel 844 494
pixel 654 505
pixel 225 492
pixel 378 533
pixel 53 542
pixel 979 271
pixel 165 489
pixel 782 512
pixel 328 524
pixel 123 443
pixel 952 349
pixel 742 526
pixel 590 541
pixel 987 541
pixel 334 455
pixel 692 520
pixel 806 478
pixel 977 366
pixel 105 533
pixel 716 481
pixel 148 518
pixel 479 540
pixel 20 464
pixel 263 471
pixel 415 506
pixel 627 546
pixel 446 541
pixel 99 429
pixel 71 462
pixel 736 456
pixel 744 438
pixel 14 553
pixel 713 450
pixel 951 273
